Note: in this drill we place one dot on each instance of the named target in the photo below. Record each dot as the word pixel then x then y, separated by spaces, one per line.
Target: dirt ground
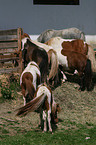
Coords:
pixel 76 106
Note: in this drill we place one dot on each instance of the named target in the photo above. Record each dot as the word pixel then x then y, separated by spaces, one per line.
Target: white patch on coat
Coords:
pixel 33 68
pixel 43 89
pixel 24 40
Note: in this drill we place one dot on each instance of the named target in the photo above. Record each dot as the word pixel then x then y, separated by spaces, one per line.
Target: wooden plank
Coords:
pixel 8 50
pixel 19 33
pixel 9 59
pixel 9 70
pixel 8 32
pixel 19 38
pixel 9 56
pixel 8 37
pixel 8 44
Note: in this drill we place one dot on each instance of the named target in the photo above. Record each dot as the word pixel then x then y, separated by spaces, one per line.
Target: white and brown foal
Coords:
pixel 44 104
pixel 29 80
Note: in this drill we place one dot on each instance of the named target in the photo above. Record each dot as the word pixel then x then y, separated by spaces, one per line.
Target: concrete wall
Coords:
pixel 35 19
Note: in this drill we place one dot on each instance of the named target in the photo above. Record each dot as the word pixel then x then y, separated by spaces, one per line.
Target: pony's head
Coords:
pixel 24 38
pixel 55 110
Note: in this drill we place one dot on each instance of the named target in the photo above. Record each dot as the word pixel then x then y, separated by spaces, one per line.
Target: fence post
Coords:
pixel 19 33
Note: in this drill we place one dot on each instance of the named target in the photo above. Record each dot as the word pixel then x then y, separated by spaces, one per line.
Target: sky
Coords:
pixel 34 19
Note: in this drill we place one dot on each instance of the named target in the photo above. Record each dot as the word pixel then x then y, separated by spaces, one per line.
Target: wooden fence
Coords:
pixel 10 50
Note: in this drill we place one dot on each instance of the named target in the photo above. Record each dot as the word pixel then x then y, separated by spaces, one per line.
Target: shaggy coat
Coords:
pixel 44 104
pixel 29 80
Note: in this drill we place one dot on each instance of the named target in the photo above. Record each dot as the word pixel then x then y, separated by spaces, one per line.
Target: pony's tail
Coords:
pixel 32 105
pixel 88 75
pixel 52 57
pixel 91 56
pixel 30 90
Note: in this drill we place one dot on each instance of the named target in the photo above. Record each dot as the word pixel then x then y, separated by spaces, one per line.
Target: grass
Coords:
pixel 81 136
pixel 77 119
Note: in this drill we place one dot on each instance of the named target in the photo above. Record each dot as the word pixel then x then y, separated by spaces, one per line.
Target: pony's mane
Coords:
pixel 25 35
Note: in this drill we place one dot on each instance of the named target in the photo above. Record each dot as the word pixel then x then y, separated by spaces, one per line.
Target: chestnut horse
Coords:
pixel 73 58
pixel 44 104
pixel 29 80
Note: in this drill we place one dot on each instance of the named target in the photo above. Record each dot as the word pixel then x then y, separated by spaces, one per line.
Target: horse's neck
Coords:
pixel 53 106
pixel 42 45
pixel 24 40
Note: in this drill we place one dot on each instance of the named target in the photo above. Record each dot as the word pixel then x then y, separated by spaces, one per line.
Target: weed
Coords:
pixel 4 131
pixel 6 93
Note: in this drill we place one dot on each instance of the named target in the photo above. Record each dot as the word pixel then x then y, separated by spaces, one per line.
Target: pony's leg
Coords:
pixel 38 80
pixel 88 75
pixel 44 118
pixel 75 72
pixel 82 83
pixel 49 121
pixel 64 77
pixel 23 92
pixel 24 100
pixel 41 121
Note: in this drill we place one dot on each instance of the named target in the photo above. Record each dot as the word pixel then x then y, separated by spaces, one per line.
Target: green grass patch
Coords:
pixel 81 136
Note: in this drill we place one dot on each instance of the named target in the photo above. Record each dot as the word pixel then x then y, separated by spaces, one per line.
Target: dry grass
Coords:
pixel 76 108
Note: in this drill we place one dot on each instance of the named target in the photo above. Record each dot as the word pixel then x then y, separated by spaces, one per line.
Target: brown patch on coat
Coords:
pixel 76 61
pixel 27 85
pixel 77 45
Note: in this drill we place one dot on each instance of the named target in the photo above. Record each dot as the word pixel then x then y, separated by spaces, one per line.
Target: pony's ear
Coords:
pixel 58 107
pixel 28 41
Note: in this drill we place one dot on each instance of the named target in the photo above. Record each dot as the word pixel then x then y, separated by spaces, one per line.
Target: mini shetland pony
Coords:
pixel 38 52
pixel 70 33
pixel 58 44
pixel 29 80
pixel 73 58
pixel 32 52
pixel 44 104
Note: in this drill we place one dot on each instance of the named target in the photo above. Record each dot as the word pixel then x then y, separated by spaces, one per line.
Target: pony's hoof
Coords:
pixel 39 126
pixel 51 132
pixel 81 89
pixel 63 81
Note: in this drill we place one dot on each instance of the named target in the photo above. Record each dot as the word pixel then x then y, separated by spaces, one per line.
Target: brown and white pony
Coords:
pixel 37 54
pixel 44 104
pixel 33 50
pixel 57 44
pixel 73 58
pixel 29 81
